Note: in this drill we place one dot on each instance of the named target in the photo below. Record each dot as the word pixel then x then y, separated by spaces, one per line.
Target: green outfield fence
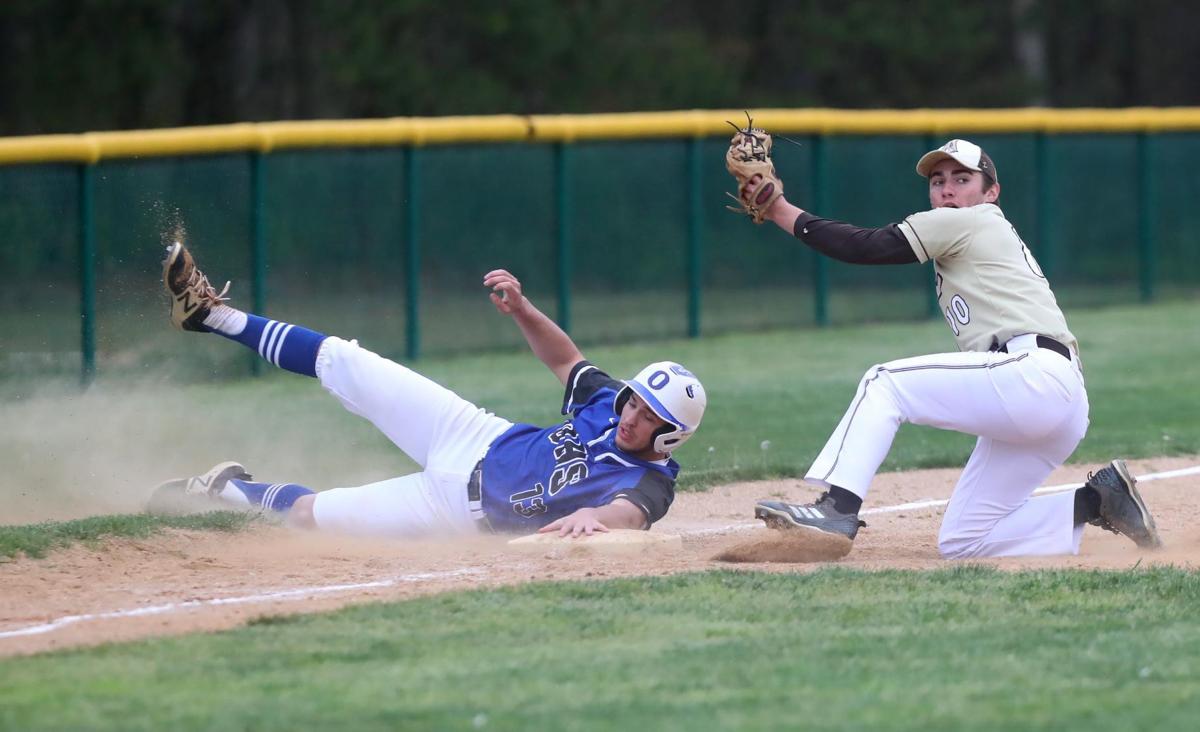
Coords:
pixel 381 230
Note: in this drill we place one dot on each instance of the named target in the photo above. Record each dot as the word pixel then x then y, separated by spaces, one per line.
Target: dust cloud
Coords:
pixel 69 453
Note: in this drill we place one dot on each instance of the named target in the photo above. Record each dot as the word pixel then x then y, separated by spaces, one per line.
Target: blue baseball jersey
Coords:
pixel 533 475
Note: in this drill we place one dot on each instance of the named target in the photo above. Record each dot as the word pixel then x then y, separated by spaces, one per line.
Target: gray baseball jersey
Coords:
pixel 989 286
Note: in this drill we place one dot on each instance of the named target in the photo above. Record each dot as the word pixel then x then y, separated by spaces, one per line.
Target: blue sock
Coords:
pixel 274 496
pixel 287 346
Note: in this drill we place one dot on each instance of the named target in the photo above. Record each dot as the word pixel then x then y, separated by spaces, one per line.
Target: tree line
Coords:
pixel 76 65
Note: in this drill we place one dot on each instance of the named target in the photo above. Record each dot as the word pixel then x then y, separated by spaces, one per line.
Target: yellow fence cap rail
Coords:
pixel 708 123
pixel 629 125
pixel 393 131
pixel 48 149
pixel 497 128
pixel 336 133
pixel 177 141
pixel 92 147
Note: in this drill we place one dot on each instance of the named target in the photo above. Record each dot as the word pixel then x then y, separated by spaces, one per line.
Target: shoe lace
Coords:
pixel 1100 520
pixel 823 498
pixel 827 500
pixel 198 283
pixel 1104 475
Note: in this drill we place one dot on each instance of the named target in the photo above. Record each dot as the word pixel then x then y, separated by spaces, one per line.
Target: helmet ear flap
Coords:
pixel 658 439
pixel 622 397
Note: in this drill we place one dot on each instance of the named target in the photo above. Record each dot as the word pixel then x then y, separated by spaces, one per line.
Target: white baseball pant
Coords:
pixel 1029 409
pixel 444 433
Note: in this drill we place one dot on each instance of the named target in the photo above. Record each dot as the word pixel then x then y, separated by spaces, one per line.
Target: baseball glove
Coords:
pixel 749 154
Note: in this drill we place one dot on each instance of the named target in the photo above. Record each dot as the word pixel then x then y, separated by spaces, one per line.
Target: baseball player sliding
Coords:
pixel 1016 382
pixel 608 466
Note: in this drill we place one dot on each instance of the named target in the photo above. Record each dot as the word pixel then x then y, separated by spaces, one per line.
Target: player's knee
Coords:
pixel 958 541
pixel 958 544
pixel 878 387
pixel 955 549
pixel 301 513
pixel 872 374
pixel 876 381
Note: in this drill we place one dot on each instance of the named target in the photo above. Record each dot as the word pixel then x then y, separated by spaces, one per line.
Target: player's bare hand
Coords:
pixel 583 522
pixel 747 190
pixel 779 207
pixel 506 291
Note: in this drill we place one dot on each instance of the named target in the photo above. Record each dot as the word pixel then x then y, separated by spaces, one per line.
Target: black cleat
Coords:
pixel 1122 510
pixel 821 516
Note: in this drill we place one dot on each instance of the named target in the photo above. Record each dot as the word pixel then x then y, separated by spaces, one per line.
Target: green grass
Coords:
pixel 102 451
pixel 961 648
pixel 36 539
pixel 953 649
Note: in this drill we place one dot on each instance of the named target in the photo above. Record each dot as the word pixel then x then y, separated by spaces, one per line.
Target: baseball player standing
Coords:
pixel 608 466
pixel 1016 382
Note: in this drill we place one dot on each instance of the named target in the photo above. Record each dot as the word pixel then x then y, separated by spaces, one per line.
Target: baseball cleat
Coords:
pixel 192 298
pixel 1122 510
pixel 818 516
pixel 197 493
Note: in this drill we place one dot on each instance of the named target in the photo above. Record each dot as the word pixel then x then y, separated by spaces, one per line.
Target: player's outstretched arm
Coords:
pixel 784 213
pixel 620 514
pixel 548 342
pixel 834 239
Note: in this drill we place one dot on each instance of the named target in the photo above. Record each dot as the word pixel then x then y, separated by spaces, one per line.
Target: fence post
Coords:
pixel 562 235
pixel 1147 264
pixel 820 188
pixel 412 251
pixel 258 248
pixel 695 227
pixel 1045 252
pixel 87 277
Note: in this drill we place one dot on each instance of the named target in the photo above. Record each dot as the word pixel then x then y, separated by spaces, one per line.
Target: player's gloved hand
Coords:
pixel 748 160
pixel 583 522
pixel 506 291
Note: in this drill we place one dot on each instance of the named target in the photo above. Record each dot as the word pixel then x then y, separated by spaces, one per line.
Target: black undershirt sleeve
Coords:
pixel 653 493
pixel 853 244
pixel 584 381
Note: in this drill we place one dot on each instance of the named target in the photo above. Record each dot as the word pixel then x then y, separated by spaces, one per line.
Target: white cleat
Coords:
pixel 195 494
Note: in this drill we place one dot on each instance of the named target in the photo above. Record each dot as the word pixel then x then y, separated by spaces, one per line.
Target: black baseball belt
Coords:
pixel 1049 344
pixel 475 499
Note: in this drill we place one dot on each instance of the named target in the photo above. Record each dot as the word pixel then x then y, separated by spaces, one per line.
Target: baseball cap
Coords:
pixel 970 155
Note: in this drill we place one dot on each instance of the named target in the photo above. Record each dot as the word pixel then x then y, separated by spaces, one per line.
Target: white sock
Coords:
pixel 231 493
pixel 227 320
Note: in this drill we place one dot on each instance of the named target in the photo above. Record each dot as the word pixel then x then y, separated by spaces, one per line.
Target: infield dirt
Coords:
pixel 183 582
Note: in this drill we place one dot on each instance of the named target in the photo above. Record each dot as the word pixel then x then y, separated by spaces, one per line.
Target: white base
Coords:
pixel 613 542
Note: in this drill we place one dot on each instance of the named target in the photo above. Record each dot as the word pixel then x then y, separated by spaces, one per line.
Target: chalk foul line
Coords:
pixel 939 502
pixel 1044 489
pixel 302 593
